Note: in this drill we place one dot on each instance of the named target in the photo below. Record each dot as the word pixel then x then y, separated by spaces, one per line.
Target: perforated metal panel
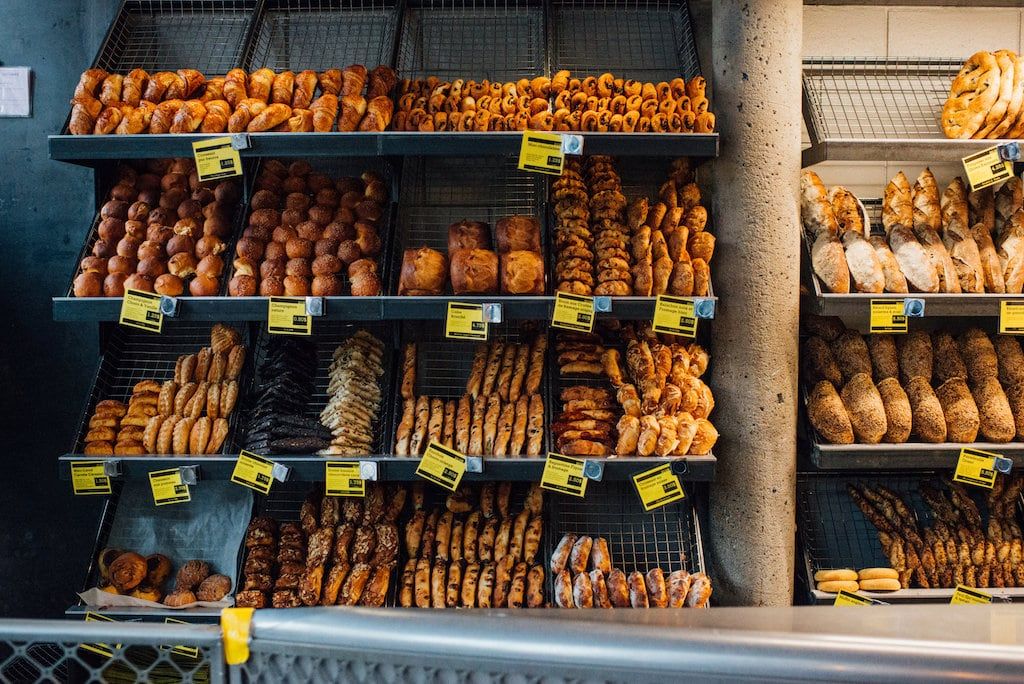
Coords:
pixel 323 34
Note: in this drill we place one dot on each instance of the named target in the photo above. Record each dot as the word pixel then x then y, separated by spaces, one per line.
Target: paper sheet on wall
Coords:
pixel 15 91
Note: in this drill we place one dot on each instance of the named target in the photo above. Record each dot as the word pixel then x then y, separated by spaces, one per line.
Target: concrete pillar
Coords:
pixel 756 57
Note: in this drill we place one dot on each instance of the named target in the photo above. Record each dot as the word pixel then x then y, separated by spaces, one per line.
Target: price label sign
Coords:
pixel 975 467
pixel 658 487
pixel 168 488
pixel 88 477
pixel 966 596
pixel 105 650
pixel 675 316
pixel 287 316
pixel 573 312
pixel 254 472
pixel 1011 317
pixel 887 316
pixel 541 152
pixel 564 474
pixel 216 159
pixel 141 310
pixel 187 651
pixel 343 479
pixel 465 322
pixel 987 168
pixel 442 466
pixel 845 598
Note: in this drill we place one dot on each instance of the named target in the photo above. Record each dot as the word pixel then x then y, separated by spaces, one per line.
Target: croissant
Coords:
pixel 305 88
pixel 382 82
pixel 353 78
pixel 89 83
pixel 234 87
pixel 127 571
pixel 378 114
pixel 83 115
pixel 300 121
pixel 136 119
pixel 108 120
pixel 705 123
pixel 244 112
pixel 260 83
pixel 217 114
pixel 352 109
pixel 330 82
pixel 157 86
pixel 110 90
pixel 191 79
pixel 214 90
pixel 189 117
pixel 271 116
pixel 282 88
pixel 164 115
pixel 325 111
pixel 133 86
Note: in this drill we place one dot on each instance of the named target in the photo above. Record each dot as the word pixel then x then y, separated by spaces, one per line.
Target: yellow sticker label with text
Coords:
pixel 658 487
pixel 343 479
pixel 675 316
pixel 465 322
pixel 216 159
pixel 105 650
pixel 88 477
pixel 541 153
pixel 986 168
pixel 573 312
pixel 287 316
pixel 1011 317
pixel 976 468
pixel 965 596
pixel 188 651
pixel 442 466
pixel 887 316
pixel 168 488
pixel 564 474
pixel 845 598
pixel 234 625
pixel 141 310
pixel 254 472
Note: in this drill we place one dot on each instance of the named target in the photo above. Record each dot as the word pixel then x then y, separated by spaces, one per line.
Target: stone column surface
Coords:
pixel 756 80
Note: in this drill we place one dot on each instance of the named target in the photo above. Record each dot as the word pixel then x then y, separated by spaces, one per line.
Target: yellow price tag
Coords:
pixel 168 488
pixel 573 312
pixel 343 479
pixel 234 625
pixel 254 472
pixel 887 316
pixel 541 152
pixel 188 651
pixel 975 467
pixel 465 322
pixel 675 316
pixel 141 310
pixel 966 596
pixel 442 466
pixel 216 159
pixel 987 168
pixel 88 477
pixel 287 316
pixel 658 487
pixel 564 474
pixel 105 650
pixel 845 598
pixel 1011 317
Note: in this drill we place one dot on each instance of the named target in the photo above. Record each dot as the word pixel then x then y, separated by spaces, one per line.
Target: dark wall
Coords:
pixel 45 367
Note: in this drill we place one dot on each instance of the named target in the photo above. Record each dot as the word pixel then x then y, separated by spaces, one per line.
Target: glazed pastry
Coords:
pixel 128 571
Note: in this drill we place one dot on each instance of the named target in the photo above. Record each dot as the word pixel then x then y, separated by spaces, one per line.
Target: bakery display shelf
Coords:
pixel 833 533
pixel 124 614
pixel 909 456
pixel 856 306
pixel 868 109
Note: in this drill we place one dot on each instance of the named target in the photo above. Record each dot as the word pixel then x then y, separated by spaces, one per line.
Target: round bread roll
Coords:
pixel 898 415
pixel 979 355
pixel 884 360
pixel 947 362
pixel 835 586
pixel 928 419
pixel 852 354
pixel 864 406
pixel 915 356
pixel 997 424
pixel 840 575
pixel 885 584
pixel 819 363
pixel 877 573
pixel 961 412
pixel 827 414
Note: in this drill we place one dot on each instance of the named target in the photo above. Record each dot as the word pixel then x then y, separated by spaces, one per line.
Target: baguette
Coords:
pixel 815 210
pixel 895 281
pixel 462 423
pixel 448 428
pixel 504 434
pixel 476 429
pixel 419 435
pixel 409 371
pixel 519 372
pixel 491 424
pixel 535 429
pixel 405 426
pixel 508 361
pixel 828 261
pixel 537 353
pixel 863 263
pixel 476 375
pixel 436 420
pixel 494 358
pixel 519 426
pixel 915 262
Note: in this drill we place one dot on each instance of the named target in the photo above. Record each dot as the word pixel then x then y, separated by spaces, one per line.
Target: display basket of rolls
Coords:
pixel 900 538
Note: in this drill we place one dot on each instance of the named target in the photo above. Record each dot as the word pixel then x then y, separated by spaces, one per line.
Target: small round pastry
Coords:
pixel 179 244
pixel 216 225
pixel 275 251
pixel 203 286
pixel 151 249
pixel 263 235
pixel 243 266
pixel 115 209
pixel 283 234
pixel 325 246
pixel 138 211
pixel 160 216
pixel 297 267
pixel 188 226
pixel 137 229
pixel 296 286
pixel 121 264
pixel 835 586
pixel 294 184
pixel 326 264
pixel 363 279
pixel 367 238
pixel 308 230
pixel 179 598
pixel 128 246
pixel 376 190
pixel 208 245
pixel 158 569
pixel 137 281
pixel 173 180
pixel 170 199
pixel 104 248
pixel 297 200
pixel 264 217
pixel 104 560
pixel 152 267
pixel 182 264
pixel 170 285
pixel 348 251
pixel 213 588
pixel 111 229
pixel 351 198
pixel 160 234
pixel 150 196
pixel 127 571
pixel 327 286
pixel 190 208
pixel 147 593
pixel 300 168
pixel 264 199
pixel 350 184
pixel 249 249
pixel 191 574
pixel 272 286
pixel 328 197
pixel 93 264
pixel 318 181
pixel 882 584
pixel 202 195
pixel 123 192
pixel 242 286
pixel 113 284
pixel 368 210
pixel 339 231
pixel 273 268
pixel 321 215
pixel 227 192
pixel 299 248
pixel 877 573
pixel 211 265
pixel 841 575
pixel 345 215
pixel 293 217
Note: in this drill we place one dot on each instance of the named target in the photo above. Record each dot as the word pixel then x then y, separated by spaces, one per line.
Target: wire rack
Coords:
pixel 132 356
pixel 330 334
pixel 500 40
pixel 157 35
pixel 439 191
pixel 649 40
pixel 443 366
pixel 322 34
pixel 876 98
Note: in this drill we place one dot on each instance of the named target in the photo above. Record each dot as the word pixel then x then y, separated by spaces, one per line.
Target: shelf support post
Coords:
pixel 756 93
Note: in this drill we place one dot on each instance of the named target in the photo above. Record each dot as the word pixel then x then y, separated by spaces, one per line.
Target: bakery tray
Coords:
pixel 833 533
pixel 867 109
